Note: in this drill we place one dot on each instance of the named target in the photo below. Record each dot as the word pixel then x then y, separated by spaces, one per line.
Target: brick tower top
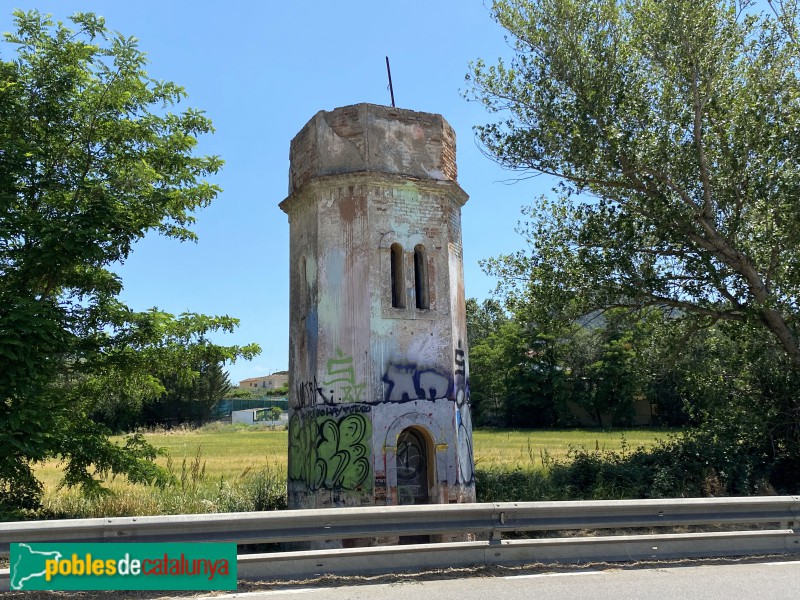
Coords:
pixel 368 137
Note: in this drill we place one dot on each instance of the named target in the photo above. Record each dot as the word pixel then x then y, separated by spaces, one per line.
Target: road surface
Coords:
pixel 741 581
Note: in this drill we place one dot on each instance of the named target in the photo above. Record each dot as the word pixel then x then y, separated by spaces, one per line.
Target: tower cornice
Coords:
pixel 374 180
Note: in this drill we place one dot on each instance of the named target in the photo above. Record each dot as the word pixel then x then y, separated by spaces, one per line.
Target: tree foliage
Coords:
pixel 528 373
pixel 188 400
pixel 674 128
pixel 483 319
pixel 91 160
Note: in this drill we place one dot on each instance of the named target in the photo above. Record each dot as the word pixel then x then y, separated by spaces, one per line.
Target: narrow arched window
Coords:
pixel 398 288
pixel 303 278
pixel 421 277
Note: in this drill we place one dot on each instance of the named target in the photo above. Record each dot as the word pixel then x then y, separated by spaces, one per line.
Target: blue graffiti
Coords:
pixel 408 382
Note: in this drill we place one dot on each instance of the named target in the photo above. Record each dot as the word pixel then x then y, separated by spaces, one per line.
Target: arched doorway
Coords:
pixel 412 467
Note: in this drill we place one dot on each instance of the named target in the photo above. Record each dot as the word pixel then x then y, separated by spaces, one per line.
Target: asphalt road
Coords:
pixel 753 581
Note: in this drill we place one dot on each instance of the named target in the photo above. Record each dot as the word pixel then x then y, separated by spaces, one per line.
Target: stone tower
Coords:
pixel 379 388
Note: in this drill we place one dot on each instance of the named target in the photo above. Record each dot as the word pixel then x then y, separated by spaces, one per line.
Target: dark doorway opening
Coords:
pixel 412 475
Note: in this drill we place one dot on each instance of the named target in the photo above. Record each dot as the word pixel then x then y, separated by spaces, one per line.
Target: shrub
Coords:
pixel 698 463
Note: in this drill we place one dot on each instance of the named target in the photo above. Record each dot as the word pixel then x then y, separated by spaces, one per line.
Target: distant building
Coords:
pixel 257 415
pixel 266 382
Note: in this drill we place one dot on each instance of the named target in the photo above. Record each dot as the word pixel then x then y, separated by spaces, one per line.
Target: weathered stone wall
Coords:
pixel 362 371
pixel 368 137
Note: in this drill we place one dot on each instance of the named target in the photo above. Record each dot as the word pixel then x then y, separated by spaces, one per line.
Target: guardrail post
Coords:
pixel 795 523
pixel 496 535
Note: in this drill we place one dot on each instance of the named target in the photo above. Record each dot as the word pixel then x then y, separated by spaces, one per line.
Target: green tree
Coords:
pixel 278 391
pixel 483 319
pixel 514 376
pixel 187 397
pixel 511 368
pixel 242 393
pixel 213 384
pixel 602 373
pixel 91 159
pixel 673 127
pixel 487 378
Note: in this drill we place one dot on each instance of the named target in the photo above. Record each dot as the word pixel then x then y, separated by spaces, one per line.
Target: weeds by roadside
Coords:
pixel 691 465
pixel 192 491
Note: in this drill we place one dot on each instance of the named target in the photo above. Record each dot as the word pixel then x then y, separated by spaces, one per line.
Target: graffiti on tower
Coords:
pixel 342 377
pixel 330 451
pixel 409 382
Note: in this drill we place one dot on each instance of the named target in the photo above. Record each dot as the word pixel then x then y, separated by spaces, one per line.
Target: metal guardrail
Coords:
pixel 487 520
pixel 430 519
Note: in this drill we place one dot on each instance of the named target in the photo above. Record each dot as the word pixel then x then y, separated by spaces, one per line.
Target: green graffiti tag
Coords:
pixel 327 452
pixel 342 374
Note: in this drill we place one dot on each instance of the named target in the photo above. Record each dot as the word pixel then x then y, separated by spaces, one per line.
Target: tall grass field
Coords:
pixel 221 468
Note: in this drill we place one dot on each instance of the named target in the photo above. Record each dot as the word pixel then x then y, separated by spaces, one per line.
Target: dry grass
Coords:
pixel 531 448
pixel 207 460
pixel 225 452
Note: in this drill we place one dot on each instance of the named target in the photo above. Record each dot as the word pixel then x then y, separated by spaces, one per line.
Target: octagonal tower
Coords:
pixel 379 394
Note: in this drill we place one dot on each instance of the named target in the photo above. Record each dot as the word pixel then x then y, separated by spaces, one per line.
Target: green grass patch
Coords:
pixel 694 463
pixel 227 451
pixel 533 449
pixel 217 468
pixel 228 468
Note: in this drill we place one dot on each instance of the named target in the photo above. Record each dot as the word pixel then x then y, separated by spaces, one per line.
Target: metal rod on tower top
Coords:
pixel 391 89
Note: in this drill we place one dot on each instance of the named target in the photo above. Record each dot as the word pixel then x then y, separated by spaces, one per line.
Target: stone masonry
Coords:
pixel 379 380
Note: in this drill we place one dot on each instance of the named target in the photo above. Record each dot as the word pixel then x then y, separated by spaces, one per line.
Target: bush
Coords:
pixel 697 464
pixel 498 484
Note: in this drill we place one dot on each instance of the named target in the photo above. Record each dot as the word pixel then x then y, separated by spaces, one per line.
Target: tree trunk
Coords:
pixel 774 320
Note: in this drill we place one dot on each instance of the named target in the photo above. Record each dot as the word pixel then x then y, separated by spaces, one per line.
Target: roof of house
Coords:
pixel 262 377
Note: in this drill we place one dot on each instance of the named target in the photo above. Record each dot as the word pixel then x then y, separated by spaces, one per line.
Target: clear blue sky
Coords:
pixel 261 70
